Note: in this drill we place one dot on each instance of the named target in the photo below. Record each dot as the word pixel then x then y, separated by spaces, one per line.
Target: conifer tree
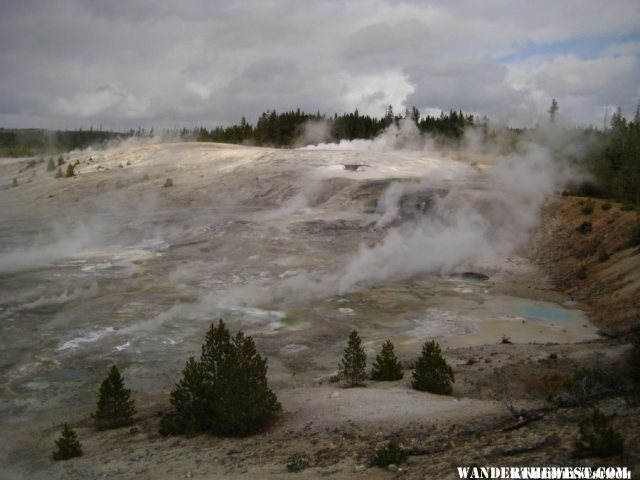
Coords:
pixel 68 445
pixel 387 367
pixel 432 373
pixel 226 392
pixel 553 110
pixel 70 170
pixel 51 166
pixel 354 361
pixel 189 401
pixel 598 437
pixel 115 407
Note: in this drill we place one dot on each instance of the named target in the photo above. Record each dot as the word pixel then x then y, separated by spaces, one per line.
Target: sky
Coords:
pixel 169 63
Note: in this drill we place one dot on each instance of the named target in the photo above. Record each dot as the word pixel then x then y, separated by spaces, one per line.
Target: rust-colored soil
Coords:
pixel 588 256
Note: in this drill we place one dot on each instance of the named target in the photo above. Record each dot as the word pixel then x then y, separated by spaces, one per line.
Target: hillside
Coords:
pixel 589 258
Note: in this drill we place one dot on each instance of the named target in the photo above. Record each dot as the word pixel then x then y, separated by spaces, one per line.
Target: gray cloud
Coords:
pixel 167 63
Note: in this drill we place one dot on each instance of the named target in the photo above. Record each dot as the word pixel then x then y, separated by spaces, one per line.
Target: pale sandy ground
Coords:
pixel 334 428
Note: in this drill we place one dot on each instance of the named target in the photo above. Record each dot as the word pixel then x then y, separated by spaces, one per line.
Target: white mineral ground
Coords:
pixel 288 245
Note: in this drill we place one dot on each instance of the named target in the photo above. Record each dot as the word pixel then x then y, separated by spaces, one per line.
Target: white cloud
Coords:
pixel 105 98
pixel 372 93
pixel 624 48
pixel 202 62
pixel 584 87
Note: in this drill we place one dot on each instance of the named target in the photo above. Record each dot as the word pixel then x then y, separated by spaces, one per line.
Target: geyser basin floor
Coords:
pixel 111 267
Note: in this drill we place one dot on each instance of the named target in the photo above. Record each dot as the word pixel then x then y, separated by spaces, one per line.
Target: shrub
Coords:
pixel 51 166
pixel 297 463
pixel 634 238
pixel 585 227
pixel 115 407
pixel 386 366
pixel 627 207
pixel 226 392
pixel 60 160
pixel 588 384
pixel 633 397
pixel 587 208
pixel 59 173
pixel 68 445
pixel 353 363
pixel 606 206
pixel 390 453
pixel 582 272
pixel 634 358
pixel 604 256
pixel 597 437
pixel 548 385
pixel 432 373
pixel 70 171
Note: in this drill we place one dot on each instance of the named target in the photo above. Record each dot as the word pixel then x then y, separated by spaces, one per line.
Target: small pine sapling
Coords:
pixel 68 445
pixel 390 453
pixel 354 362
pixel 432 373
pixel 386 366
pixel 115 407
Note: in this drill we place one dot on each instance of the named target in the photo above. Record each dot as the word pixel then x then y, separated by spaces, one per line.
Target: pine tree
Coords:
pixel 68 445
pixel 51 166
pixel 553 110
pixel 226 392
pixel 387 367
pixel 432 373
pixel 189 401
pixel 247 403
pixel 70 171
pixel 598 437
pixel 354 361
pixel 115 407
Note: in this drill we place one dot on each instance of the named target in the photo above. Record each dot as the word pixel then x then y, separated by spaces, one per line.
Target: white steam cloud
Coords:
pixel 482 208
pixel 79 293
pixel 394 137
pixel 41 252
pixel 466 228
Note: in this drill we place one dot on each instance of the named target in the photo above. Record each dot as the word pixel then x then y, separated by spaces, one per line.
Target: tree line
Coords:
pixel 612 154
pixel 614 160
pixel 21 142
pixel 282 129
pixel 275 129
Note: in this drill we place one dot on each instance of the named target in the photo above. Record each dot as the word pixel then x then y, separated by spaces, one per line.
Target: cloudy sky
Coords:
pixel 164 63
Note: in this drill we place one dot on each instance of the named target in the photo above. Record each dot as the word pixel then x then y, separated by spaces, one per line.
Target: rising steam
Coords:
pixel 467 228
